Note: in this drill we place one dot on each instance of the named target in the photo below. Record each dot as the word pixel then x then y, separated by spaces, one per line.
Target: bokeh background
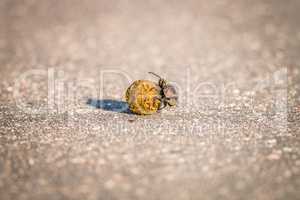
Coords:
pixel 241 143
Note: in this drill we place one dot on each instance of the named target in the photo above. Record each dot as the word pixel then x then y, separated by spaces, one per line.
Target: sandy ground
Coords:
pixel 66 133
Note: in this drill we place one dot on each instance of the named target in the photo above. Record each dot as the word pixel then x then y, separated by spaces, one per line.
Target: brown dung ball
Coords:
pixel 141 97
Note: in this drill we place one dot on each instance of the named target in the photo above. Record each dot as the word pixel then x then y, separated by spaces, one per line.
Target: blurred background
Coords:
pixel 62 155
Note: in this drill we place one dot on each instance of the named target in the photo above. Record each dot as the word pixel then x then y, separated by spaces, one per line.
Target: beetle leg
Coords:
pixel 162 105
pixel 158 98
pixel 171 101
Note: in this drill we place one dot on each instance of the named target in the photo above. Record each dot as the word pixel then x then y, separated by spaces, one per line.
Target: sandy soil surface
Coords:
pixel 66 133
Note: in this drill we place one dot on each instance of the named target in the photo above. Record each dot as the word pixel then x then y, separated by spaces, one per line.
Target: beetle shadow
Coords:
pixel 109 105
